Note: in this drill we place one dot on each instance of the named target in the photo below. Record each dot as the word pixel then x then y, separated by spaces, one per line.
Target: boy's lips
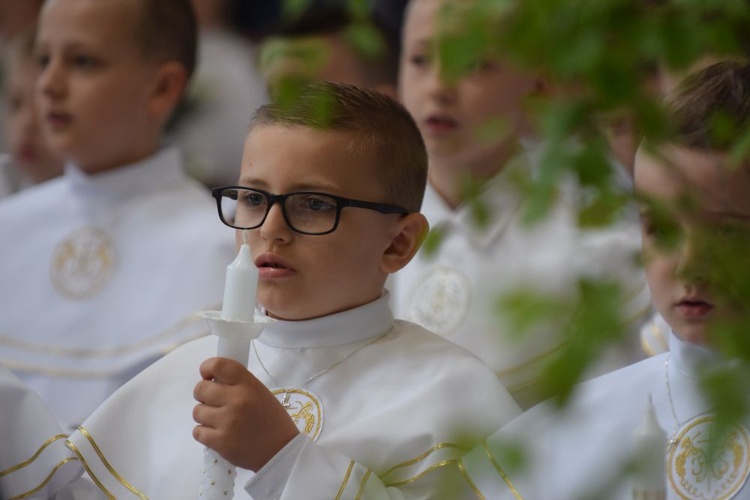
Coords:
pixel 271 266
pixel 440 124
pixel 57 119
pixel 27 152
pixel 694 308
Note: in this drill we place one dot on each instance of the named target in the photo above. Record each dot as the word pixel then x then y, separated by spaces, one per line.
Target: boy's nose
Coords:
pixel 275 228
pixel 442 85
pixel 693 261
pixel 51 81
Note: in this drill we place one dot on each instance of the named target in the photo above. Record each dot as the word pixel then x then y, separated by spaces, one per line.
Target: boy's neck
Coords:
pixel 455 182
pixel 98 167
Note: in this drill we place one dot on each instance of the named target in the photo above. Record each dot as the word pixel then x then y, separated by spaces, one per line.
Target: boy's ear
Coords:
pixel 410 234
pixel 169 87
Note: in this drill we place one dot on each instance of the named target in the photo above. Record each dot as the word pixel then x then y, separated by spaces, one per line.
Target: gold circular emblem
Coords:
pixel 304 408
pixel 82 263
pixel 440 300
pixel 692 473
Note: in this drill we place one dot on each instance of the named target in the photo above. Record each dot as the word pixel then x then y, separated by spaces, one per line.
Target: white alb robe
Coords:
pixel 454 291
pixel 580 452
pixel 390 421
pixel 100 275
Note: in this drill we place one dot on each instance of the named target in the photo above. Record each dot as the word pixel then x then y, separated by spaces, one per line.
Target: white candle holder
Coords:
pixel 235 337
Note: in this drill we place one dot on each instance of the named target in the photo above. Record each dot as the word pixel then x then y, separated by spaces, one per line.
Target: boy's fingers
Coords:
pixel 210 393
pixel 222 370
pixel 206 415
pixel 205 435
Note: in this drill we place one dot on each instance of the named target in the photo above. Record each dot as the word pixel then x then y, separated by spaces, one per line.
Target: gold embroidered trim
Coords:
pixel 422 474
pixel 109 467
pixel 80 374
pixel 34 456
pixel 362 485
pixel 646 348
pixel 82 352
pixel 500 471
pixel 90 472
pixel 421 457
pixel 46 480
pixel 469 481
pixel 346 480
pixel 658 334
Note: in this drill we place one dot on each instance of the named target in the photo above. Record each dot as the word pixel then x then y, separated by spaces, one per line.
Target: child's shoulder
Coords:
pixel 414 349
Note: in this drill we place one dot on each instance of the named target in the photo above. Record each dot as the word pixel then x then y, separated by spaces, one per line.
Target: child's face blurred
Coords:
pixel 94 89
pixel 311 58
pixel 307 276
pixel 27 146
pixel 696 238
pixel 451 115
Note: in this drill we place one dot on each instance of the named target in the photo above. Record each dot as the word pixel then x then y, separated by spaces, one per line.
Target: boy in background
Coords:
pixel 330 207
pixel 325 42
pixel 104 266
pixel 454 291
pixel 695 219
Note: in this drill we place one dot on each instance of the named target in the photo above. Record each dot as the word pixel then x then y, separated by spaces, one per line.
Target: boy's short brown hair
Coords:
pixel 168 32
pixel 711 107
pixel 381 129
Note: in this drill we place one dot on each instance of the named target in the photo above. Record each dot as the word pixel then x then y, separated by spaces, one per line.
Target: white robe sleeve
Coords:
pixel 34 459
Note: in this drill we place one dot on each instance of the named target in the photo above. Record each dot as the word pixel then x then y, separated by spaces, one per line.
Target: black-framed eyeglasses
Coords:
pixel 305 212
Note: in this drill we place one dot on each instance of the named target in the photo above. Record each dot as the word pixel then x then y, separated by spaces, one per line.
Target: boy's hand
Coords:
pixel 238 416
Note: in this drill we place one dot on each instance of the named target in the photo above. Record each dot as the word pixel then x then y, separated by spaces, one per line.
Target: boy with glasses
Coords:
pixel 340 400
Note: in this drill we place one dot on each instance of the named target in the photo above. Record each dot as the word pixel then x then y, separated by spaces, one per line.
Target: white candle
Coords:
pixel 239 287
pixel 650 455
pixel 239 303
pixel 235 329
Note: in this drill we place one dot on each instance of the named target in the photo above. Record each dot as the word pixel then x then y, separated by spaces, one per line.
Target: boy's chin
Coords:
pixel 693 335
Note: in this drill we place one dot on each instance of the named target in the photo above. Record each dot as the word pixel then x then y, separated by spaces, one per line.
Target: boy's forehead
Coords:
pixel 308 142
pixel 327 155
pixel 672 172
pixel 436 21
pixel 92 17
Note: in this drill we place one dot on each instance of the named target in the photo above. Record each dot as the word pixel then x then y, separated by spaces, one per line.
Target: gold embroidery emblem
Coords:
pixel 82 263
pixel 304 408
pixel 440 300
pixel 692 473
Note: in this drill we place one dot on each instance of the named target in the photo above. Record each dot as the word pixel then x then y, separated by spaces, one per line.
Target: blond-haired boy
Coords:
pixel 329 206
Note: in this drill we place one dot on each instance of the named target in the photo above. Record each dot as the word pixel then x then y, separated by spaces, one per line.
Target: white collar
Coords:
pixel 347 327
pixel 687 358
pixel 151 173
